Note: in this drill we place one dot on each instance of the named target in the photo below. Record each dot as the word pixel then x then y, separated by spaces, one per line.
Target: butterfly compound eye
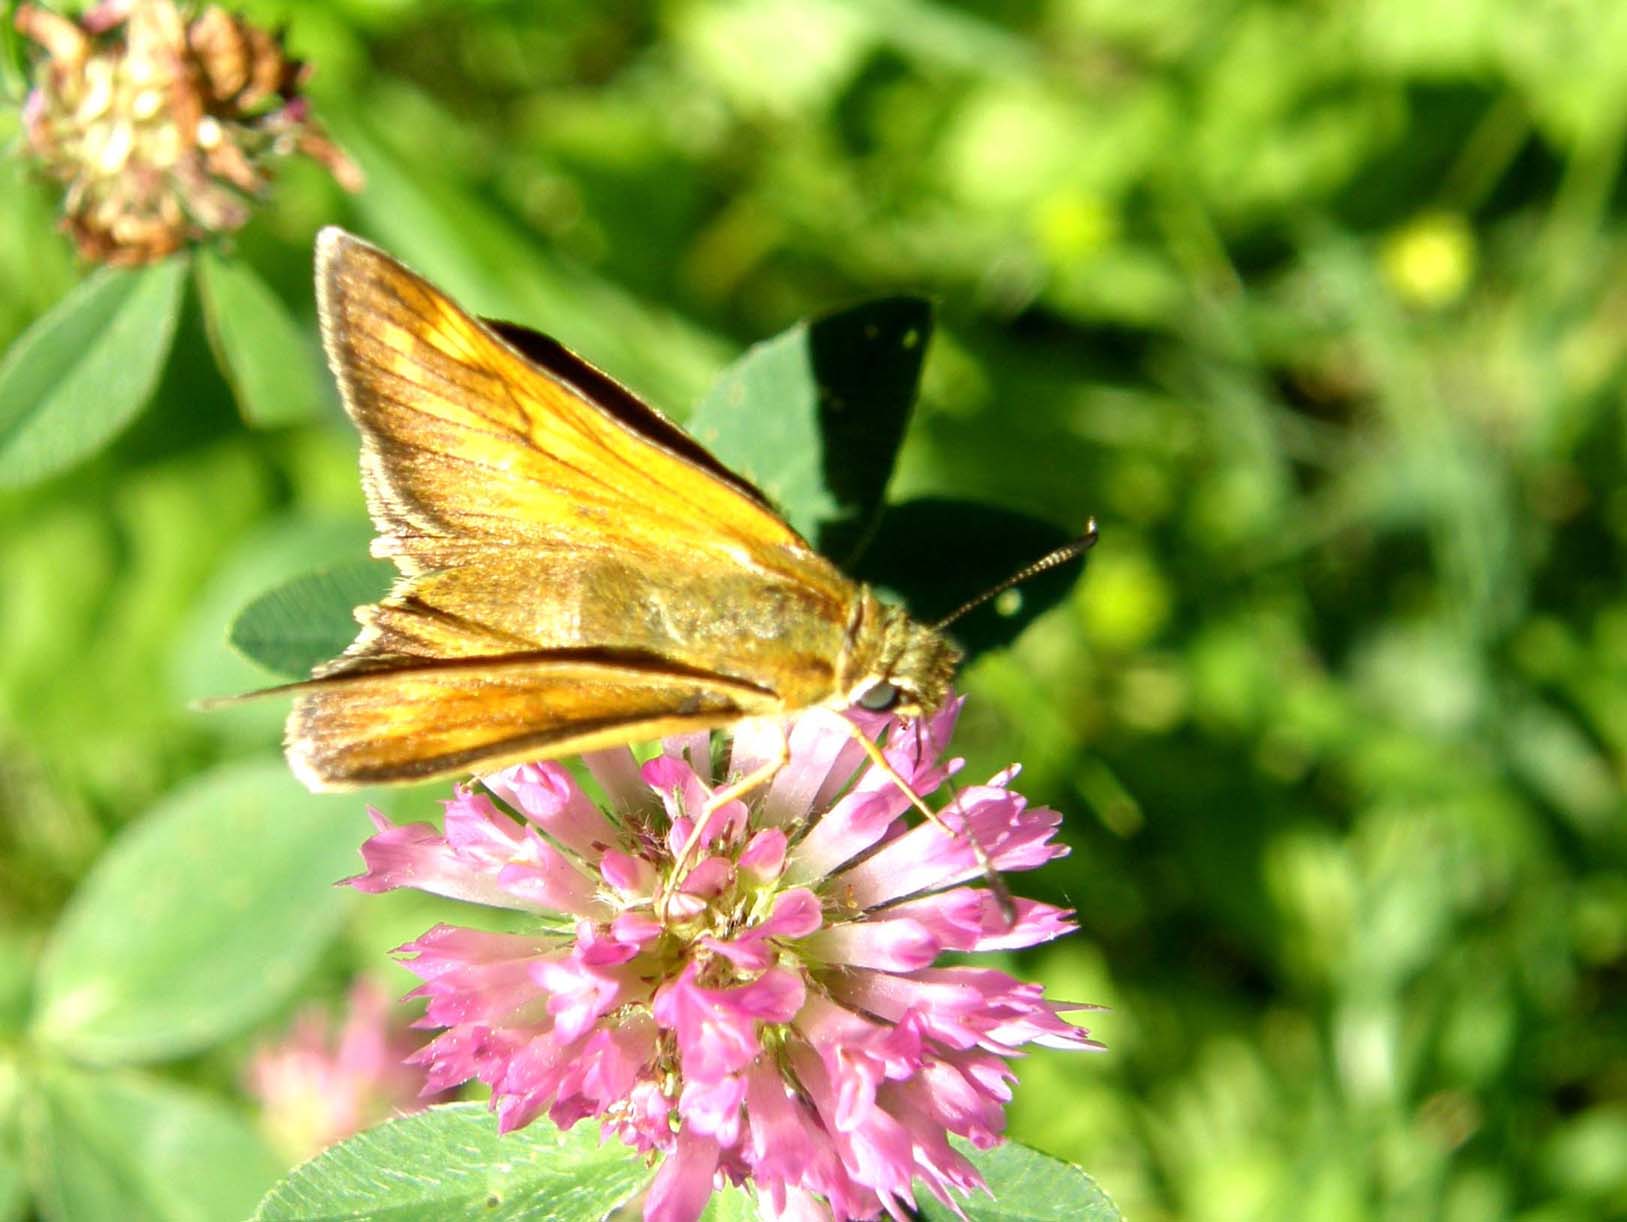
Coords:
pixel 880 698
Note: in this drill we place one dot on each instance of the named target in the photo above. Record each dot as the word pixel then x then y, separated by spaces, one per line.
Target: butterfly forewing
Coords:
pixel 465 439
pixel 574 571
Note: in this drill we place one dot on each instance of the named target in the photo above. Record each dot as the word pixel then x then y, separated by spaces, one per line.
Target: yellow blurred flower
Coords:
pixel 1126 602
pixel 1429 261
pixel 1073 225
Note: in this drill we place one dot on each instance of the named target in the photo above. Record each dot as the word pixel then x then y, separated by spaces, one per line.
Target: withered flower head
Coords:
pixel 164 122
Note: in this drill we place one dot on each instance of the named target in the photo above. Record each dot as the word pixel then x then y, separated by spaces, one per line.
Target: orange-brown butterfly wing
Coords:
pixel 414 722
pixel 532 505
pixel 468 439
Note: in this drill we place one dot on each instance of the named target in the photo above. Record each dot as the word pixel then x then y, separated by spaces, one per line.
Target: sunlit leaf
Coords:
pixel 204 664
pixel 814 416
pixel 121 1146
pixel 273 366
pixel 200 918
pixel 74 379
pixel 17 958
pixel 13 1186
pixel 310 619
pixel 449 1162
pixel 1027 1186
pixel 731 1204
pixel 13 56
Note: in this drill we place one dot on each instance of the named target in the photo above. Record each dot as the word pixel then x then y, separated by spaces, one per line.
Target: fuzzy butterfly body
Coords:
pixel 575 572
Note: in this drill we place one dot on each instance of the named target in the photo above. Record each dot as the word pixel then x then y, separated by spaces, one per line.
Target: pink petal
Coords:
pixel 787 1144
pixel 636 928
pixel 644 1119
pixel 681 791
pixel 965 1007
pixel 774 997
pixel 477 830
pixel 464 1053
pixel 926 857
pixel 546 795
pixel 685 797
pixel 713 1108
pixel 680 907
pixel 939 728
pixel 799 1205
pixel 853 755
pixel 755 744
pixel 683 1183
pixel 634 877
pixel 397 856
pixel 1036 923
pixel 970 919
pixel 709 878
pixel 860 820
pixel 764 855
pixel 877 1153
pixel 899 945
pixel 988 1072
pixel 943 1168
pixel 864 816
pixel 958 1103
pixel 818 742
pixel 610 1064
pixel 601 949
pixel 416 855
pixel 956 917
pixel 551 883
pixel 577 996
pixel 617 771
pixel 747 955
pixel 475 976
pixel 796 914
pixel 858 1054
pixel 717 1028
pixel 529 1080
pixel 695 749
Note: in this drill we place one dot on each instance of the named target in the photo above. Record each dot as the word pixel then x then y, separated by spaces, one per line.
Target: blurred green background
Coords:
pixel 1321 308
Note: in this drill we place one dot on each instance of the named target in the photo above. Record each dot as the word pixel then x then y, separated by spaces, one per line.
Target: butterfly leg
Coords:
pixel 996 881
pixel 737 788
pixel 997 884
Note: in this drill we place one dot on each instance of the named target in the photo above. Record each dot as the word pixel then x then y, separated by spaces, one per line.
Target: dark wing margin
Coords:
pixel 603 391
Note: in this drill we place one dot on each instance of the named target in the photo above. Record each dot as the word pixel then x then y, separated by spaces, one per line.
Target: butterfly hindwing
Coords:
pixel 432 718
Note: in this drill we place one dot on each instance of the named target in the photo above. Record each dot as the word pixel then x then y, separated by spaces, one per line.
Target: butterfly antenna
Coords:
pixel 1068 551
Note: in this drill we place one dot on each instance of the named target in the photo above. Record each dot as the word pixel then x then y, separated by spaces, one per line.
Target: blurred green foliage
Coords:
pixel 1319 307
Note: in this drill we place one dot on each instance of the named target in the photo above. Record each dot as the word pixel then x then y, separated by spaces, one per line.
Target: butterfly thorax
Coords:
pixel 893 663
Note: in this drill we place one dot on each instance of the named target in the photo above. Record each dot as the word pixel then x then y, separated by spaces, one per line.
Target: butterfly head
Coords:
pixel 905 666
pixel 898 665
